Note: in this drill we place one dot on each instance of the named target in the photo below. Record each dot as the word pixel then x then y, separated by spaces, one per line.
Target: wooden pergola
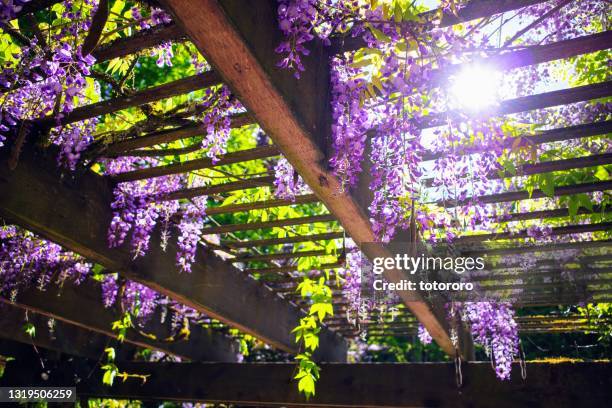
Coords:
pixel 74 211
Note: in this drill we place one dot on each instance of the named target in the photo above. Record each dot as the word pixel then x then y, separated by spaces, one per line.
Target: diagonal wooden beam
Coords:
pixel 294 113
pixel 198 164
pixel 140 41
pixel 76 214
pixel 67 303
pixel 155 93
pixel 63 337
pixel 221 229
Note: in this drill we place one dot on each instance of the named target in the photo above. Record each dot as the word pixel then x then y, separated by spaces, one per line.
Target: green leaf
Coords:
pixel 602 173
pixel 547 184
pixel 30 329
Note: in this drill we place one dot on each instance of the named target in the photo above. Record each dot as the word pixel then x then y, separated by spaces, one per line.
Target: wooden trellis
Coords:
pixel 295 114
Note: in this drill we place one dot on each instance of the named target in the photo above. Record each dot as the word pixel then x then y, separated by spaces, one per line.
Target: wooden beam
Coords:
pixel 528 140
pixel 470 11
pixel 222 229
pixel 76 214
pixel 67 303
pixel 545 167
pixel 138 42
pixel 260 205
pixel 294 113
pixel 540 248
pixel 33 6
pixel 570 229
pixel 167 135
pixel 198 164
pixel 253 182
pixel 527 103
pixel 62 337
pixel 524 195
pixel 155 93
pixel 281 255
pixel 558 384
pixel 286 240
pixel 554 213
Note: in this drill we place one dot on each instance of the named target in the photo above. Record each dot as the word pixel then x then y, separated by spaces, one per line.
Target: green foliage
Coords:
pixel 122 325
pixel 29 329
pixel 307 332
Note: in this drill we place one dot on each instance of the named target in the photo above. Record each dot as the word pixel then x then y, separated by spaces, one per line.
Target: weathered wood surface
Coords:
pixel 294 113
pixel 63 337
pixel 81 306
pixel 76 214
pixel 562 384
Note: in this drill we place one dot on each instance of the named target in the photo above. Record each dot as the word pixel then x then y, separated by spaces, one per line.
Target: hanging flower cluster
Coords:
pixel 493 327
pixel 218 106
pixel 287 182
pixel 27 260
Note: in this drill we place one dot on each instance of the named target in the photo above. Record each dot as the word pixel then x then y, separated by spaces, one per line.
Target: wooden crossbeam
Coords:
pixel 546 167
pixel 253 182
pixel 528 140
pixel 341 385
pixel 531 55
pixel 554 213
pixel 63 337
pixel 286 240
pixel 570 229
pixel 293 268
pixel 138 42
pixel 155 93
pixel 281 255
pixel 198 164
pixel 541 248
pixel 578 273
pixel 527 103
pixel 470 11
pixel 167 136
pixel 524 195
pixel 260 205
pixel 33 6
pixel 294 113
pixel 76 214
pixel 222 229
pixel 67 303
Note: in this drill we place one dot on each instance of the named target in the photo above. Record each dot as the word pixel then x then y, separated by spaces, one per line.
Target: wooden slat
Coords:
pixel 65 338
pixel 557 384
pixel 138 42
pixel 253 182
pixel 524 195
pixel 546 167
pixel 167 136
pixel 470 11
pixel 198 164
pixel 155 93
pixel 294 113
pixel 293 268
pixel 33 6
pixel 280 255
pixel 541 248
pixel 76 214
pixel 570 229
pixel 527 103
pixel 222 229
pixel 527 140
pixel 554 213
pixel 260 205
pixel 67 303
pixel 286 240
